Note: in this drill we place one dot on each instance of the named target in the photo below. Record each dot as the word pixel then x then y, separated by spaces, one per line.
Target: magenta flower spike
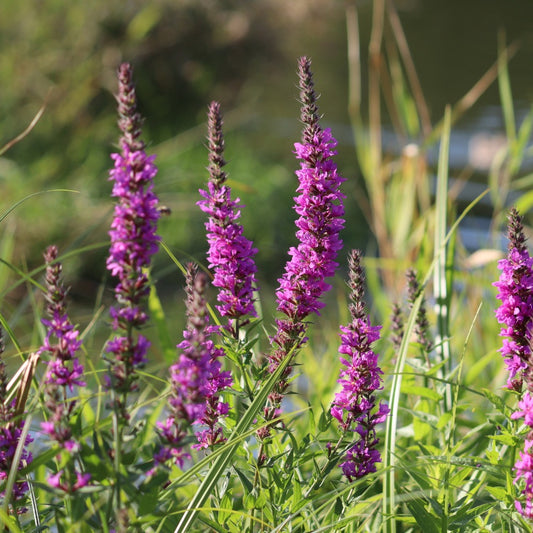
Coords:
pixel 11 427
pixel 319 205
pixel 231 254
pixel 516 310
pixel 354 407
pixel 133 242
pixel 64 370
pixel 516 316
pixel 321 211
pixel 196 379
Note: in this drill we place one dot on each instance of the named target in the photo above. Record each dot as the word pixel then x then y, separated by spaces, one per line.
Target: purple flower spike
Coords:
pixel 320 206
pixel 133 242
pixel 61 344
pixel 516 310
pixel 230 254
pixel 10 433
pixel 321 211
pixel 11 427
pixel 196 379
pixel 354 407
pixel 516 316
pixel 64 369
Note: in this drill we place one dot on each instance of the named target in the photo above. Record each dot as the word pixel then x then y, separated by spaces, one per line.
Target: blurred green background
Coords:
pixel 186 53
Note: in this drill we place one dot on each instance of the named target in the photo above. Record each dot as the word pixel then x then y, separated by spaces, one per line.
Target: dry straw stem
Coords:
pixel 21 382
pixel 21 136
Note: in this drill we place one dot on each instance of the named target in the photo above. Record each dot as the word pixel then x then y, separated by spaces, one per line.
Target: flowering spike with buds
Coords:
pixel 230 254
pixel 516 314
pixel 64 370
pixel 320 209
pixel 421 323
pixel 516 310
pixel 133 242
pixel 354 406
pixel 196 379
pixel 397 326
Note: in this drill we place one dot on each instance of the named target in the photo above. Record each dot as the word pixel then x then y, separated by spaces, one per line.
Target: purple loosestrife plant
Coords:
pixel 516 310
pixel 319 205
pixel 133 242
pixel 11 427
pixel 196 379
pixel 516 314
pixel 230 254
pixel 354 407
pixel 64 371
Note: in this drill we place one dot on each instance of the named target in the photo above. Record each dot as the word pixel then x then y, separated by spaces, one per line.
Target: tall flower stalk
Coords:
pixel 196 379
pixel 354 407
pixel 319 205
pixel 516 316
pixel 421 330
pixel 231 254
pixel 133 242
pixel 516 310
pixel 64 372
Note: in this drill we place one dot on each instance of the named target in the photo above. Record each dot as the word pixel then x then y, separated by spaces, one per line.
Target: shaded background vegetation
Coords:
pixel 186 53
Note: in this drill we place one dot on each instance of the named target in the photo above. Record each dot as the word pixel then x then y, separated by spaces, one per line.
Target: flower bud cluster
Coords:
pixel 354 407
pixel 133 242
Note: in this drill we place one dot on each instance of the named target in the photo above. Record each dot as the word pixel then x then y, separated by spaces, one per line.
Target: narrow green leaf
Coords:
pixel 158 318
pixel 246 483
pixel 440 280
pixel 518 149
pixel 423 392
pixel 14 470
pixel 223 460
pixel 506 96
pixel 496 401
pixel 8 522
pixel 499 493
pixel 428 522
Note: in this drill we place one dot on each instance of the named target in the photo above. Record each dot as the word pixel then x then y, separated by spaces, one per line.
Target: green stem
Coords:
pixel 117 458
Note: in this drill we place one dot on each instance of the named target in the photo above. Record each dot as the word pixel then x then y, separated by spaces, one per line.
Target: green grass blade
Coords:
pixel 440 281
pixel 506 96
pixel 13 472
pixel 16 204
pixel 8 522
pixel 157 315
pixel 28 277
pixel 174 259
pixel 389 458
pixel 518 150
